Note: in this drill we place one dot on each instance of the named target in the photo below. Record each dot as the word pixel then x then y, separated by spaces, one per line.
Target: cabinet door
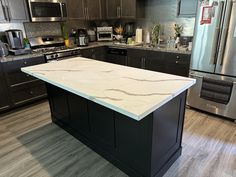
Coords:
pixel 178 64
pixel 76 9
pixel 58 103
pixel 17 10
pixel 113 8
pixel 78 113
pixel 128 8
pixel 4 96
pixel 93 9
pixel 136 58
pixel 102 123
pixel 155 61
pixel 187 8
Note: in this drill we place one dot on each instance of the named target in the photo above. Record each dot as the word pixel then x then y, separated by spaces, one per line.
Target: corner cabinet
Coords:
pixel 125 9
pixel 13 11
pixel 187 8
pixel 85 9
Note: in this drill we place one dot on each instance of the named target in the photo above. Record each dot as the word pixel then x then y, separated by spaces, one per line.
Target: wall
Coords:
pixel 164 11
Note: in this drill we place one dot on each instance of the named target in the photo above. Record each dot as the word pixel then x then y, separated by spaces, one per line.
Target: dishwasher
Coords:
pixel 117 56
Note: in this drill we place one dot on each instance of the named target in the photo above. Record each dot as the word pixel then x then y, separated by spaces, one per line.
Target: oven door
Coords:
pixel 47 10
pixel 104 36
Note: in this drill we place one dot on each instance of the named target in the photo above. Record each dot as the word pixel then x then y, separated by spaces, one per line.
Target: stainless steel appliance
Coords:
pixel 82 37
pixel 104 33
pixel 53 48
pixel 15 39
pixel 91 35
pixel 47 10
pixel 3 49
pixel 214 58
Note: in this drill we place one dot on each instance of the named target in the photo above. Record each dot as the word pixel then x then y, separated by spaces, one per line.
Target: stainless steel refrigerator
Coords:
pixel 213 61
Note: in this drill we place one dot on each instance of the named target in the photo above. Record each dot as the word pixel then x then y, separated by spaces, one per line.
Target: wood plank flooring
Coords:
pixel 31 145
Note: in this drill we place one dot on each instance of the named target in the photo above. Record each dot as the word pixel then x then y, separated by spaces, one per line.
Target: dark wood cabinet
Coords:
pixel 4 95
pixel 23 88
pixel 155 61
pixel 13 10
pixel 136 58
pixel 85 9
pixel 187 8
pixel 79 120
pixel 59 105
pixel 94 9
pixel 178 64
pixel 125 9
pixel 76 9
pixel 166 62
pixel 102 124
pixel 97 53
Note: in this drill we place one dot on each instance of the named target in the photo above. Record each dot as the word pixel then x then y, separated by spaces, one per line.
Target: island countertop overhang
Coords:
pixel 129 91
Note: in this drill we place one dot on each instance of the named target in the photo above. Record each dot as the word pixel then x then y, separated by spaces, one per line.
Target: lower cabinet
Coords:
pixel 58 104
pixel 136 58
pixel 78 114
pixel 18 88
pixel 97 53
pixel 102 124
pixel 166 62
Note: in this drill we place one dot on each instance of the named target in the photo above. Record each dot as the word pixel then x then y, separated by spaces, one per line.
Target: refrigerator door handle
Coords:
pixel 224 32
pixel 217 33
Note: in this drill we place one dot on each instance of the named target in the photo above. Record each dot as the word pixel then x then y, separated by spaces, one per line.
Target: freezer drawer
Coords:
pixel 206 102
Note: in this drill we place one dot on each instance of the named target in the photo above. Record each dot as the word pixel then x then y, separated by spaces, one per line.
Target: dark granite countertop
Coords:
pixel 99 44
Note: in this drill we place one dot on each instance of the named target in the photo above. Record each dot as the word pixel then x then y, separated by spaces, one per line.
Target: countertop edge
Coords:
pixel 117 109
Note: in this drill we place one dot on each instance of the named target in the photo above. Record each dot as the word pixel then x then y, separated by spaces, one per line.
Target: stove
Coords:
pixel 53 48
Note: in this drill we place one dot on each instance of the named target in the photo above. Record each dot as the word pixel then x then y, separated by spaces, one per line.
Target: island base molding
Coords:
pixel 145 148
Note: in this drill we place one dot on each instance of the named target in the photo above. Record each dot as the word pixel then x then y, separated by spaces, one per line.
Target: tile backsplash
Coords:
pixel 42 29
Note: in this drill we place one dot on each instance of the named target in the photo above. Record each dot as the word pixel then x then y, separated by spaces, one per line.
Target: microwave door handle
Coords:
pixel 225 32
pixel 217 34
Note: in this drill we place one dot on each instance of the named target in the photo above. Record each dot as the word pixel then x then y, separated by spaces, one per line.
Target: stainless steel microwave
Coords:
pixel 47 10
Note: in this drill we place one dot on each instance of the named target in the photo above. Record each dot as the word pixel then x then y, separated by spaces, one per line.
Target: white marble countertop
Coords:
pixel 129 91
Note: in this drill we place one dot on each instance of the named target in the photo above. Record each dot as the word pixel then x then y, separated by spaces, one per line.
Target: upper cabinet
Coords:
pixel 125 9
pixel 85 9
pixel 76 9
pixel 13 10
pixel 187 8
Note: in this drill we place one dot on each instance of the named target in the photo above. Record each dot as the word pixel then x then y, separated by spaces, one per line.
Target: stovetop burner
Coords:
pixel 50 49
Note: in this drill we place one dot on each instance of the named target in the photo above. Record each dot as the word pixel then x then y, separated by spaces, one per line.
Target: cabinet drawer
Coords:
pixel 28 92
pixel 13 72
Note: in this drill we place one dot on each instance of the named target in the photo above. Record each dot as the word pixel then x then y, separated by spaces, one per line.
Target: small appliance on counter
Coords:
pixel 129 31
pixel 139 35
pixel 3 49
pixel 91 35
pixel 104 33
pixel 82 37
pixel 15 41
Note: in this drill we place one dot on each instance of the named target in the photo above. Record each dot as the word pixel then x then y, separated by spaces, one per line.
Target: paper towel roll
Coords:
pixel 139 35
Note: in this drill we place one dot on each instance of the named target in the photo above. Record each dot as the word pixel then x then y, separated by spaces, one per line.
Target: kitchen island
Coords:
pixel 132 117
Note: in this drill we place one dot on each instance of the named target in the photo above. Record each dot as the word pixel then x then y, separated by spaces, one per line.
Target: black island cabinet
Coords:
pixel 145 148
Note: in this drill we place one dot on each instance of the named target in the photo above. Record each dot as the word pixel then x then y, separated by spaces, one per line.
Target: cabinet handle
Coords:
pixel 87 13
pixel 177 62
pixel 178 7
pixel 31 92
pixel 8 13
pixel 177 57
pixel 119 10
pixel 25 62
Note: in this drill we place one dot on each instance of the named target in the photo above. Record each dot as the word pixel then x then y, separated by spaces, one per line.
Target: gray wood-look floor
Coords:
pixel 31 145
